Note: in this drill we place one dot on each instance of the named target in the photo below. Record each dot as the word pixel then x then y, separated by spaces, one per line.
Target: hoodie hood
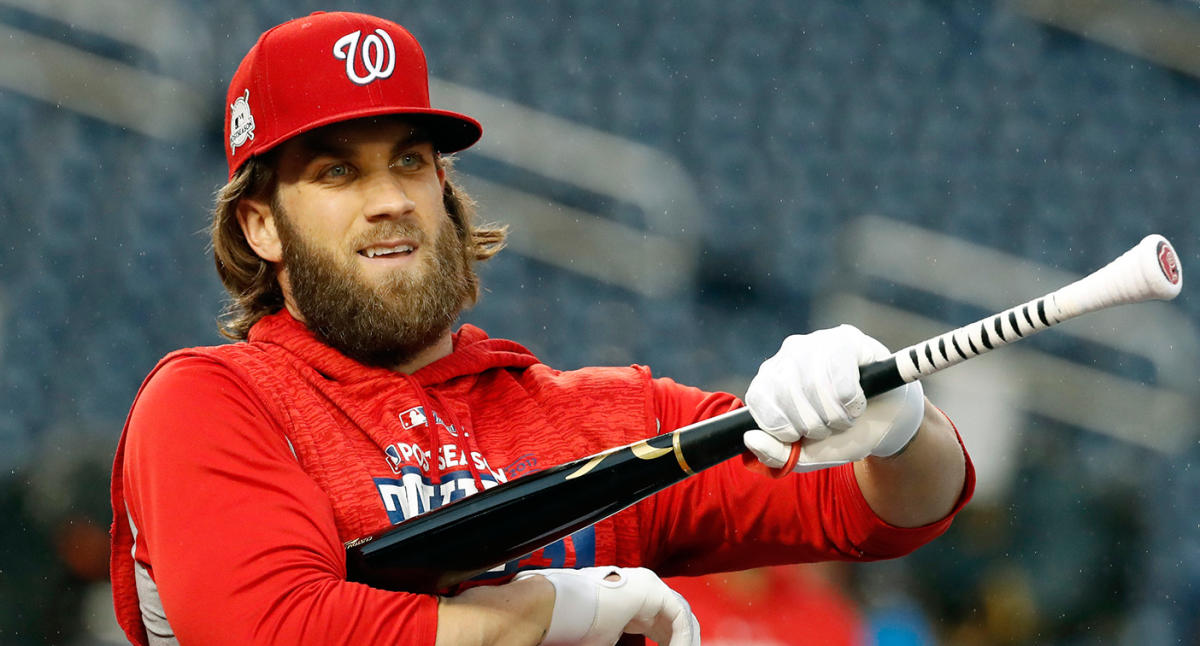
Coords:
pixel 474 353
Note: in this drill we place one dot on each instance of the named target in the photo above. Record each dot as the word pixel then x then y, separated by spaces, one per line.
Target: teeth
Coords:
pixel 384 251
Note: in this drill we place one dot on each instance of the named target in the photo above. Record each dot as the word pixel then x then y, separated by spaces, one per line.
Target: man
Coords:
pixel 351 403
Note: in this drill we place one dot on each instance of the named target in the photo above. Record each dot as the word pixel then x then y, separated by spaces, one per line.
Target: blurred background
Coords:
pixel 686 183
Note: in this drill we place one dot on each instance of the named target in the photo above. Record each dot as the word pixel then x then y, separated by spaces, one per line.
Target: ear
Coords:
pixel 258 225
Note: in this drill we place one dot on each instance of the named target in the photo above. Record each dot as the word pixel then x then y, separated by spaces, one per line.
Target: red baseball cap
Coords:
pixel 330 67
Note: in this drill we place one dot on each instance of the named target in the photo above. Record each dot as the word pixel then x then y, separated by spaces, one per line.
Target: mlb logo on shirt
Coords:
pixel 393 458
pixel 414 416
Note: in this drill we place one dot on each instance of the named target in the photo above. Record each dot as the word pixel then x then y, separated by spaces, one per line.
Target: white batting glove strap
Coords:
pixel 895 417
pixel 590 610
pixel 810 387
pixel 887 426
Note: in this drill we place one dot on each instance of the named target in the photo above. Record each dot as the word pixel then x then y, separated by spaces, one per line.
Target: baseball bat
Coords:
pixel 437 550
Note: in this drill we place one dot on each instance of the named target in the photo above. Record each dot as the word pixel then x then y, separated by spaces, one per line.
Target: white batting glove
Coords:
pixel 809 393
pixel 590 610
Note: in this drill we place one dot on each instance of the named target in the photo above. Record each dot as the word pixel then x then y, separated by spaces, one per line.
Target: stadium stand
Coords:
pixel 790 118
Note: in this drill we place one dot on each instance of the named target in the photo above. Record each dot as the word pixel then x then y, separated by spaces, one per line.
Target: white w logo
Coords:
pixel 377 51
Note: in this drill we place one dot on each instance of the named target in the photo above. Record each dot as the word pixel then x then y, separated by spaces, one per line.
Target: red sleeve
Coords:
pixel 729 518
pixel 240 541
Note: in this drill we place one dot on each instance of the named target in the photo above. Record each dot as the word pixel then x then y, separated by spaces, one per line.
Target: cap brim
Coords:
pixel 449 132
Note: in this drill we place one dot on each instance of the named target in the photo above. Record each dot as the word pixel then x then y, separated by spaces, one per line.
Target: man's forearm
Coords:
pixel 514 614
pixel 921 484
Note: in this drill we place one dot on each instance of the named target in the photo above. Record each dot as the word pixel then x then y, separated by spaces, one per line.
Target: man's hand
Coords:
pixel 809 393
pixel 595 606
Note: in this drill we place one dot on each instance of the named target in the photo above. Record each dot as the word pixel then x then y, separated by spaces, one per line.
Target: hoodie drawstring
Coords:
pixel 427 398
pixel 472 449
pixel 435 441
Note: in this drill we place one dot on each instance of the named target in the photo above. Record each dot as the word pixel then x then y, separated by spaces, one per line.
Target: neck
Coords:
pixel 438 349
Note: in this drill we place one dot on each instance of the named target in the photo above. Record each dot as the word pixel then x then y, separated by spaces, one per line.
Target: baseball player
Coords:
pixel 350 401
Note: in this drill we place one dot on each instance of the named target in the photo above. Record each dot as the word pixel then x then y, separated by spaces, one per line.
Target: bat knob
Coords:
pixel 752 463
pixel 1164 273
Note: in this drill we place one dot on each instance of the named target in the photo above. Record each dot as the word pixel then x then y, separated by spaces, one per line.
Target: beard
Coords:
pixel 385 324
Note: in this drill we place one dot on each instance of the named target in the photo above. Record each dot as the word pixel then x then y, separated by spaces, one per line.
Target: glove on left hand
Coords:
pixel 593 606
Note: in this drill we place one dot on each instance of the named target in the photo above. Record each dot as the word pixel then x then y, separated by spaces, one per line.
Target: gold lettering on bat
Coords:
pixel 591 464
pixel 644 451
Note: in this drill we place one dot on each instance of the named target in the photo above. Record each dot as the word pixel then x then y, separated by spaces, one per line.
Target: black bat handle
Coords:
pixel 880 377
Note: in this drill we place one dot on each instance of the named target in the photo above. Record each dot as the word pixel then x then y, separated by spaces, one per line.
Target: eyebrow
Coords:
pixel 323 145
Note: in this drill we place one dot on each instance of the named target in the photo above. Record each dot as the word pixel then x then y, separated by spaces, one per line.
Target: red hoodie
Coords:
pixel 245 468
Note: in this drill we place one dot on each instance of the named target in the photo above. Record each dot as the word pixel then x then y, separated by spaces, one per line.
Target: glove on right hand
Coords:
pixel 591 610
pixel 809 393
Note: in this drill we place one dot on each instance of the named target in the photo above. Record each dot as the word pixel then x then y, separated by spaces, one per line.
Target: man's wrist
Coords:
pixel 517 613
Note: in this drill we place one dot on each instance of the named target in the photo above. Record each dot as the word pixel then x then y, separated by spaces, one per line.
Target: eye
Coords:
pixel 334 172
pixel 337 170
pixel 411 160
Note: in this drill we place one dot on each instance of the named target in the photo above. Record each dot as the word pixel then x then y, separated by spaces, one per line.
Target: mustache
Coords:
pixel 390 231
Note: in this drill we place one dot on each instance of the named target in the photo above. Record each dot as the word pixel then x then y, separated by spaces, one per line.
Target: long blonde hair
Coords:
pixel 251 281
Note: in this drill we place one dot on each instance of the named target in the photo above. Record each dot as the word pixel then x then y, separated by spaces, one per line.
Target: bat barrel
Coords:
pixel 437 550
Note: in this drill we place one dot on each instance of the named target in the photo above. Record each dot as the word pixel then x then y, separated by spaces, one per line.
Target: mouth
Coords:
pixel 389 250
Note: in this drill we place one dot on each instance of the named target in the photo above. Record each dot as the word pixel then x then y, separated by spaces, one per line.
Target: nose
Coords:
pixel 385 198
